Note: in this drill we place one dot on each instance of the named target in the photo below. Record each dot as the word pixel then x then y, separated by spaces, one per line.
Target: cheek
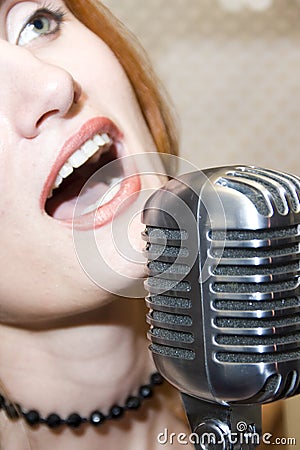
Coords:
pixel 113 92
pixel 7 167
pixel 94 65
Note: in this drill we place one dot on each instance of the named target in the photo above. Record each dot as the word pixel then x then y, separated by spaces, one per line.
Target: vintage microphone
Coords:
pixel 224 309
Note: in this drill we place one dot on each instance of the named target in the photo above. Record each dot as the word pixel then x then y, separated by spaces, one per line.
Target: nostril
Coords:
pixel 77 92
pixel 46 116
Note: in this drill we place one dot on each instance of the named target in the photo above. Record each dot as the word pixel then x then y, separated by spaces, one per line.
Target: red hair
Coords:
pixel 150 94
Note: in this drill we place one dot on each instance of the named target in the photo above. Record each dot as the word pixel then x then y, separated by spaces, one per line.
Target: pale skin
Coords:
pixel 66 343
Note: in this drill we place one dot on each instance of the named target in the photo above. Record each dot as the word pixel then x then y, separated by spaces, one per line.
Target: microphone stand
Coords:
pixel 221 427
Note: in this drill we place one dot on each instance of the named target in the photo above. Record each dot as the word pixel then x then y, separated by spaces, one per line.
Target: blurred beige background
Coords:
pixel 232 68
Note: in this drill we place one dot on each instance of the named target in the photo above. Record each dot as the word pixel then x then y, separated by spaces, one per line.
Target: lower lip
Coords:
pixel 129 188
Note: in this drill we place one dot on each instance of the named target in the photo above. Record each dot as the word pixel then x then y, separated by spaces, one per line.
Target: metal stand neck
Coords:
pixel 219 427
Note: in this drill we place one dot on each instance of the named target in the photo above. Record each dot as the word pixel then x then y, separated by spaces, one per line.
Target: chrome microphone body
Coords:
pixel 224 309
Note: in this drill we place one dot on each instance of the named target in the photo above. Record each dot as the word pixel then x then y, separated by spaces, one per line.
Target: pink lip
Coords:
pixel 128 186
pixel 105 213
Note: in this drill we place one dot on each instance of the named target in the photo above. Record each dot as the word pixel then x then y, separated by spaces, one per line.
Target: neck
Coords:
pixel 62 367
pixel 79 365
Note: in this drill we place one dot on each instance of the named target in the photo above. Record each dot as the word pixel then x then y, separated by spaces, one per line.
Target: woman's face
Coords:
pixel 66 110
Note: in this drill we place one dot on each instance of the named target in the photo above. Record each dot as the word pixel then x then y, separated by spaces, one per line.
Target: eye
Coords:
pixel 43 22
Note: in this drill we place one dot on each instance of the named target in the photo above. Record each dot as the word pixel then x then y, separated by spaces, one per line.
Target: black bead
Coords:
pixel 74 420
pixel 32 417
pixel 116 412
pixel 133 403
pixel 97 418
pixel 12 411
pixel 53 421
pixel 145 391
pixel 156 379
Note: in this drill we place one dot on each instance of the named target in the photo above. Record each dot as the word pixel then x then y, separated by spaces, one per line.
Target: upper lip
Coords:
pixel 73 143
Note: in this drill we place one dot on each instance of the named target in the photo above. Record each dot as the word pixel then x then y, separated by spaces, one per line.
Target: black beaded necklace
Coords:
pixel 74 420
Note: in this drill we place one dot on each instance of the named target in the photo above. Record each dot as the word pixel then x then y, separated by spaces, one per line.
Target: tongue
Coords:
pixel 62 206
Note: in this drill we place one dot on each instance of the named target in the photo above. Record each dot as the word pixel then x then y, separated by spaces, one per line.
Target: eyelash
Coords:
pixel 49 11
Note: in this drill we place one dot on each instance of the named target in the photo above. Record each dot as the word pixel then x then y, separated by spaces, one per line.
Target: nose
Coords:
pixel 33 90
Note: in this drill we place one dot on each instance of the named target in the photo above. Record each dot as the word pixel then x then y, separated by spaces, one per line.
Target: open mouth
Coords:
pixel 95 175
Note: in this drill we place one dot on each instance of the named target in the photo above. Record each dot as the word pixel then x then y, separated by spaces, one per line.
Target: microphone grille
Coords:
pixel 169 299
pixel 254 289
pixel 267 189
pixel 254 283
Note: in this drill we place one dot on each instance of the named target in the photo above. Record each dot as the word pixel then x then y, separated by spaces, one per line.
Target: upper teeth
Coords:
pixel 80 156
